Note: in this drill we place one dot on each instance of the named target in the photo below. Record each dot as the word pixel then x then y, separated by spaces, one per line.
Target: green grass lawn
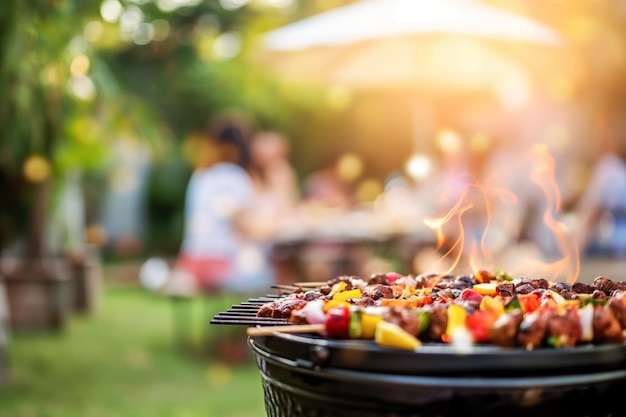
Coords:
pixel 122 361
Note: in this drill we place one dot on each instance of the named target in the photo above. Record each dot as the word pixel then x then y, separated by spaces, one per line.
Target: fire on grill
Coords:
pixel 476 344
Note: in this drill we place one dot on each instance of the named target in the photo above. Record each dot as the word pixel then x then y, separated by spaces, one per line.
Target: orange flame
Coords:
pixel 478 251
pixel 542 174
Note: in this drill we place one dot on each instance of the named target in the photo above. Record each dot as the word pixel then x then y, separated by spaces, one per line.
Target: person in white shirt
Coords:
pixel 224 238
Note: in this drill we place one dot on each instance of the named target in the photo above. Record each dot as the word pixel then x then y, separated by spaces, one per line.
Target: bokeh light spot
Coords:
pixel 349 167
pixel 111 10
pixel 448 141
pixel 161 29
pixel 227 45
pixel 36 169
pixel 369 189
pixel 82 88
pixel 143 34
pixel 419 167
pixel 131 18
pixel 80 65
pixel 93 31
pixel 233 4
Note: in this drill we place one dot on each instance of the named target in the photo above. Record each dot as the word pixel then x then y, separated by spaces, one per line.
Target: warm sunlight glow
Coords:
pixel 419 167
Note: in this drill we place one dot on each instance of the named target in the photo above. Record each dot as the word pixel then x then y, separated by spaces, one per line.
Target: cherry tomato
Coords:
pixel 338 322
pixel 392 277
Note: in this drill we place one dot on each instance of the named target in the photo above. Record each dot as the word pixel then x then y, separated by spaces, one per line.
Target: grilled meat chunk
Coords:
pixel 532 330
pixel 438 322
pixel 582 288
pixel 606 328
pixel 504 330
pixel 380 291
pixel 563 330
pixel 404 318
pixel 267 309
pixel 604 284
pixel 506 289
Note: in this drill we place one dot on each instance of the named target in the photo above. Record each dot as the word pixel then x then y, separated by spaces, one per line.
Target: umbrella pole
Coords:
pixel 423 120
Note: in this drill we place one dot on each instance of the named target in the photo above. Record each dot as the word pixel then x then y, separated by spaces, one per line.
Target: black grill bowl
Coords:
pixel 307 376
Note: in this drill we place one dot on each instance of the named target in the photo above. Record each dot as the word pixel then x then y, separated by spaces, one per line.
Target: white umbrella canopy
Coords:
pixel 379 19
pixel 428 45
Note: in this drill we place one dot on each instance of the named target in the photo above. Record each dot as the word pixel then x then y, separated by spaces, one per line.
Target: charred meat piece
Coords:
pixel 310 295
pixel 438 322
pixel 378 279
pixel 540 283
pixel 620 285
pixel 532 330
pixel 569 295
pixel 617 306
pixel 506 290
pixel 267 309
pixel 582 288
pixel 380 291
pixel 447 293
pixel 606 328
pixel 285 307
pixel 464 281
pixel 504 330
pixel 599 295
pixel 604 284
pixel 445 281
pixel 365 301
pixel 403 318
pixel 325 289
pixel 343 278
pixel 524 288
pixel 560 287
pixel 563 330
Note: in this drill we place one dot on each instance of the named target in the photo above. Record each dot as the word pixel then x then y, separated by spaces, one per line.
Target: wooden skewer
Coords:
pixel 292 328
pixel 312 284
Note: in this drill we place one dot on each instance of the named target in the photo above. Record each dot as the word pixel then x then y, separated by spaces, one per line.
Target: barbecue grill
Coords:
pixel 308 375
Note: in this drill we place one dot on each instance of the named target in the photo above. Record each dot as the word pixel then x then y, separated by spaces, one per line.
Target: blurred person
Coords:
pixel 327 189
pixel 277 198
pixel 274 176
pixel 601 210
pixel 224 239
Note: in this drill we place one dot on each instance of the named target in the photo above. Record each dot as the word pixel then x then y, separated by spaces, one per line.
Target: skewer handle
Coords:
pixel 310 284
pixel 292 328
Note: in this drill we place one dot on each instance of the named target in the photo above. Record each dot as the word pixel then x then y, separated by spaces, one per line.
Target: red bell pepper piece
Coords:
pixel 479 323
pixel 529 302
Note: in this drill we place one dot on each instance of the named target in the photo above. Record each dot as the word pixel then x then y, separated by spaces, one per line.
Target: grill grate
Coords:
pixel 245 312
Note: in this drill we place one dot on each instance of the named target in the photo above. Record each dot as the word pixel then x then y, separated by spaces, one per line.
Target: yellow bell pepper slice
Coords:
pixel 456 319
pixel 369 322
pixel 393 336
pixel 486 288
pixel 346 295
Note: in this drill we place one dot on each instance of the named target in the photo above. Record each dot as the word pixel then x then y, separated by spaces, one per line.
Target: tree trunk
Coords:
pixel 38 285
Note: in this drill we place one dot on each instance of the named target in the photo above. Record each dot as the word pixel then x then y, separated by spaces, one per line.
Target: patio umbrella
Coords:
pixel 434 45
pixel 428 47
